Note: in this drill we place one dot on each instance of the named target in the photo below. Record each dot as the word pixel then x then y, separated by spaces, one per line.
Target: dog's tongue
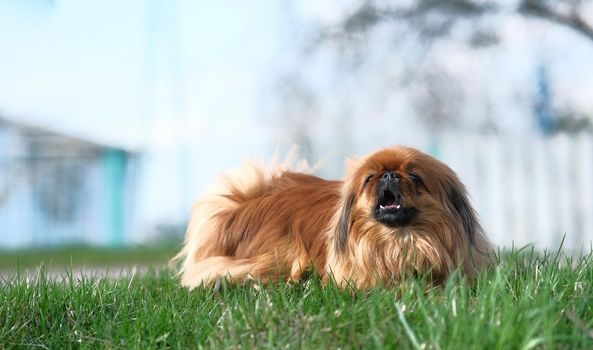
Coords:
pixel 391 206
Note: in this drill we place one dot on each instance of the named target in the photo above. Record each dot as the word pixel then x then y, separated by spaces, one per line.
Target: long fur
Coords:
pixel 276 223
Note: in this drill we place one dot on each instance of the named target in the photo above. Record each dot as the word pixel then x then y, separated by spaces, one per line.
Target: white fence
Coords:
pixel 528 189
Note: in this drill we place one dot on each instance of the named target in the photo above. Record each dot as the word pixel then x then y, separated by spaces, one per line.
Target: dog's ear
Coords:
pixel 459 202
pixel 350 188
pixel 343 227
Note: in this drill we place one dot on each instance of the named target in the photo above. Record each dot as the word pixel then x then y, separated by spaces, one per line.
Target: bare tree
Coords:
pixel 427 22
pixel 296 113
pixel 435 18
pixel 437 99
pixel 568 13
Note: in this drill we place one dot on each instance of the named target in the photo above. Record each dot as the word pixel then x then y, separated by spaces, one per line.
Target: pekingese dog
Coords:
pixel 398 212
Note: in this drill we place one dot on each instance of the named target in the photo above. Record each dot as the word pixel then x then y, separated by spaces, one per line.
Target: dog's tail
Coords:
pixel 249 181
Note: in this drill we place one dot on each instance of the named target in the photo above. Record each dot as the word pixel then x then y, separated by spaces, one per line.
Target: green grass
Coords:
pixel 527 301
pixel 87 255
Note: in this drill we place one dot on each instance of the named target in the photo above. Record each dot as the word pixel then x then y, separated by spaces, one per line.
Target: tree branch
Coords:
pixel 572 20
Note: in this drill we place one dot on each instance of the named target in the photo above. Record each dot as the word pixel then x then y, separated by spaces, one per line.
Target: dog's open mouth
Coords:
pixel 392 211
pixel 389 201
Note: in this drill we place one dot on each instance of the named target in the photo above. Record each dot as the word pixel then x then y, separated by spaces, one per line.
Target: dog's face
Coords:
pixel 393 195
pixel 403 210
pixel 399 192
pixel 394 189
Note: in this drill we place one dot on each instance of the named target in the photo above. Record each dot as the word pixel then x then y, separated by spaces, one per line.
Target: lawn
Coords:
pixel 528 300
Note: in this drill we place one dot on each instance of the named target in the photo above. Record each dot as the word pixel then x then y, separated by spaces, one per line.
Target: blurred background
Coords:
pixel 116 115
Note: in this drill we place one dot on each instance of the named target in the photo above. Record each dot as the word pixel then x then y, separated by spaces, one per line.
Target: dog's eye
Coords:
pixel 416 179
pixel 368 179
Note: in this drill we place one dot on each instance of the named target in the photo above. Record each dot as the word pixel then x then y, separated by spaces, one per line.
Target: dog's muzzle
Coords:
pixel 391 209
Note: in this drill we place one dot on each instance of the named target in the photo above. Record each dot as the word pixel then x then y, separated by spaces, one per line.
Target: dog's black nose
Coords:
pixel 390 176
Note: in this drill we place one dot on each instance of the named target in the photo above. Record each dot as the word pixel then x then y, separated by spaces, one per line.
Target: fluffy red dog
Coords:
pixel 399 211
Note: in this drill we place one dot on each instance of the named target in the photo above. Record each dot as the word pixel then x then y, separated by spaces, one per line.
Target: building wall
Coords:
pixel 57 190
